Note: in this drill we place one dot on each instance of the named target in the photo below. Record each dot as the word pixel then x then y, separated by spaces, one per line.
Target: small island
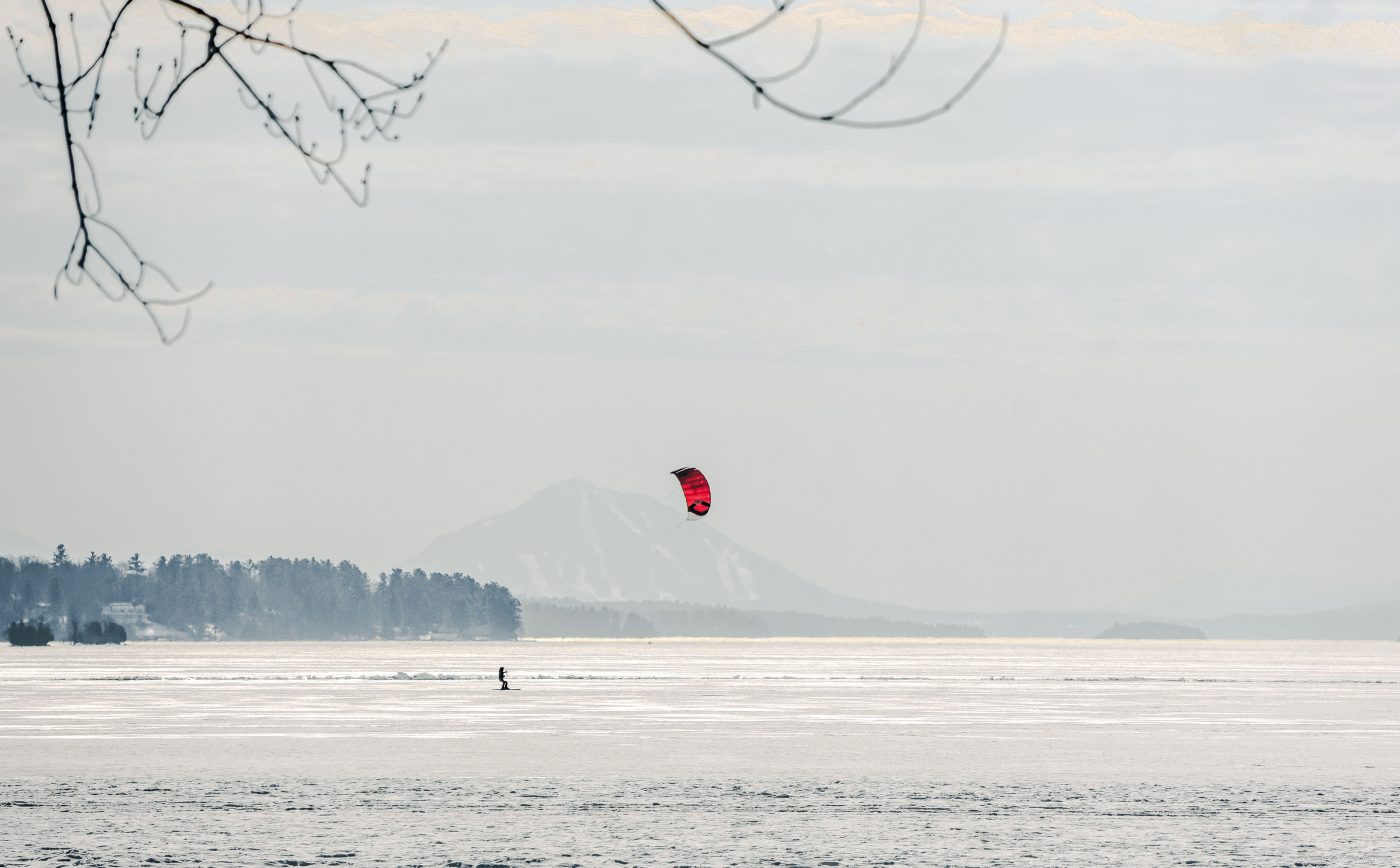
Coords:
pixel 1150 630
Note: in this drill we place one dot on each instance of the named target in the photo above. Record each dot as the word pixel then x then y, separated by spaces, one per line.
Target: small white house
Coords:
pixel 131 616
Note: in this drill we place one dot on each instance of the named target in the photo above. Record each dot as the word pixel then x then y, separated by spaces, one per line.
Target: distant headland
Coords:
pixel 1151 630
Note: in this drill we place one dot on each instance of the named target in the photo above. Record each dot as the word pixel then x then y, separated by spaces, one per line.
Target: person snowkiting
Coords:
pixel 501 674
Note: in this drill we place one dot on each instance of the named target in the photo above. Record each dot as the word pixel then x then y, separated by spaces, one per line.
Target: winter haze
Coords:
pixel 1119 332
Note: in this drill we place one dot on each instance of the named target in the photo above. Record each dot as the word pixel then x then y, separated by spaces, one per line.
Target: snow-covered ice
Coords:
pixel 713 752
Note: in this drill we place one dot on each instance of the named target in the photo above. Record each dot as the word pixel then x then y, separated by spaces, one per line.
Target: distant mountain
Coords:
pixel 15 544
pixel 587 543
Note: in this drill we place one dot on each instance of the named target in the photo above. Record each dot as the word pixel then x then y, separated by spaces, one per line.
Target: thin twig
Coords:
pixel 838 117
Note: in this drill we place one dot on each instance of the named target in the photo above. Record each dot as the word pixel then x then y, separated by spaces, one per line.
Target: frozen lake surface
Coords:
pixel 718 752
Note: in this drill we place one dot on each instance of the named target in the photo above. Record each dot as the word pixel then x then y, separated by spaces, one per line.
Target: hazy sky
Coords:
pixel 1125 322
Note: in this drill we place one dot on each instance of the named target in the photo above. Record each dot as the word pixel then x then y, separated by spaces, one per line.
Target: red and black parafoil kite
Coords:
pixel 697 491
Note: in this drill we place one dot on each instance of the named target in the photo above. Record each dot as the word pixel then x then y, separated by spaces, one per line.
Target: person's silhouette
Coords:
pixel 502 675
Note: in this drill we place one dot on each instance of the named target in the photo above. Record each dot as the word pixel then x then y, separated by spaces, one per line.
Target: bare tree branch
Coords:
pixel 838 116
pixel 362 102
pixel 359 101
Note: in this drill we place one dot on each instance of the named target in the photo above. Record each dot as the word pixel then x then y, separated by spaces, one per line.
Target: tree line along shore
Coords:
pixel 199 597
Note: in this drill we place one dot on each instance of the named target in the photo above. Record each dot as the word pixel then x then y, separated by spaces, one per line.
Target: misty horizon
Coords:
pixel 1192 598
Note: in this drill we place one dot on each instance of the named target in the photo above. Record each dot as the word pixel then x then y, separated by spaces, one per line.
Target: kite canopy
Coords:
pixel 697 491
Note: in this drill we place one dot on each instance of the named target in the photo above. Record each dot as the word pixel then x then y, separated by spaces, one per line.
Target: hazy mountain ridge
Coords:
pixel 1226 595
pixel 1377 620
pixel 578 542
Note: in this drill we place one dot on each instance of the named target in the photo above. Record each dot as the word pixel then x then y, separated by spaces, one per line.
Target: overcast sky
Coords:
pixel 1121 326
